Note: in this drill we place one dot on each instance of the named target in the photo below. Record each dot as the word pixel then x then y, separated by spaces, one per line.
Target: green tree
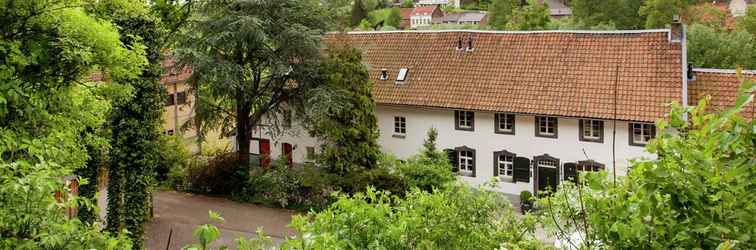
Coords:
pixel 342 113
pixel 533 16
pixel 499 12
pixel 709 48
pixel 48 112
pixel 748 22
pixel 623 14
pixel 394 18
pixel 659 13
pixel 248 59
pixel 359 12
pixel 696 194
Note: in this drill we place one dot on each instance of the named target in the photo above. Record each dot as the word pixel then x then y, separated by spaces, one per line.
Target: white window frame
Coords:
pixel 384 75
pixel 645 133
pixel 502 120
pixel 402 76
pixel 593 128
pixel 543 126
pixel 506 168
pixel 464 121
pixel 466 160
pixel 400 125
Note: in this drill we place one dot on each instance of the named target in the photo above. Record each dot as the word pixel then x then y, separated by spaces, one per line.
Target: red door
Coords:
pixel 264 153
pixel 287 150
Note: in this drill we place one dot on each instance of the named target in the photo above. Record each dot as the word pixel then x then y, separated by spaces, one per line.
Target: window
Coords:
pixel 171 100
pixel 310 153
pixel 400 125
pixel 506 165
pixel 466 162
pixel 384 74
pixel 546 126
pixel 169 132
pixel 465 120
pixel 504 123
pixel 547 163
pixel 181 97
pixel 592 130
pixel 402 75
pixel 641 133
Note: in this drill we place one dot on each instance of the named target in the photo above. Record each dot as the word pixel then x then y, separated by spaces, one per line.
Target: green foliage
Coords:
pixel 174 157
pixel 408 4
pixel 48 116
pixel 359 13
pixel 342 114
pixel 623 14
pixel 708 48
pixel 572 23
pixel 210 175
pixel 206 234
pixel 748 22
pixel 525 196
pixel 533 16
pixel 709 15
pixel 697 193
pixel 394 18
pixel 659 13
pixel 240 88
pixel 500 11
pixel 455 217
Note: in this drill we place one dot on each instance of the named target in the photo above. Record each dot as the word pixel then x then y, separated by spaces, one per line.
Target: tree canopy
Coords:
pixel 709 48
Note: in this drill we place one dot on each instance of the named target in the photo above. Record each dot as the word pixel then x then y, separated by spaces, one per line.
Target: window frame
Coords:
pixel 538 127
pixel 309 153
pixel 401 77
pixel 469 161
pixel 400 127
pixel 589 122
pixel 631 133
pixel 498 165
pixel 497 123
pixel 181 98
pixel 171 100
pixel 469 119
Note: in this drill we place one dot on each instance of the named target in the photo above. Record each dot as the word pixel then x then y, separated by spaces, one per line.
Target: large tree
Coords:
pixel 659 13
pixel 624 14
pixel 249 58
pixel 345 120
pixel 500 11
pixel 532 16
pixel 710 48
pixel 48 50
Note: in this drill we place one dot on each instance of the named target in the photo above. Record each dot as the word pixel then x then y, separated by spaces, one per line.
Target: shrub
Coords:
pixel 455 217
pixel 697 194
pixel 211 175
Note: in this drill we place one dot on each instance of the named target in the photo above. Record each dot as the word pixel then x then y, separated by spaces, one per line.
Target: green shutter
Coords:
pixel 521 169
pixel 570 172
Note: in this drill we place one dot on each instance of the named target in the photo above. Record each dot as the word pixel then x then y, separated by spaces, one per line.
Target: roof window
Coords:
pixel 384 74
pixel 402 75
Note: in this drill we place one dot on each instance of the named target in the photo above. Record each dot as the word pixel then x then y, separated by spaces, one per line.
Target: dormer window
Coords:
pixel 384 74
pixel 470 44
pixel 402 75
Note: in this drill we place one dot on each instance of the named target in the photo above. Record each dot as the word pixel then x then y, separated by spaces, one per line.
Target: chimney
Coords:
pixel 676 29
pixel 470 44
pixel 459 43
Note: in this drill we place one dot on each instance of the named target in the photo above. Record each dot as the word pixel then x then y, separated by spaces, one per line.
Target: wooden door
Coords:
pixel 264 153
pixel 287 150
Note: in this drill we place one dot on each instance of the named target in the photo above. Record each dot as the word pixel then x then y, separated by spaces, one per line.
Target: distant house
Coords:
pixel 466 17
pixel 425 16
pixel 455 3
pixel 406 13
pixel 739 7
pixel 558 8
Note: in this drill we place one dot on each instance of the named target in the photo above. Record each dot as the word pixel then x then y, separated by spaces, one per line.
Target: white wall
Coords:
pixel 567 147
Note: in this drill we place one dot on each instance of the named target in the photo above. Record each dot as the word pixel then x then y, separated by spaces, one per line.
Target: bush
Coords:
pixel 425 173
pixel 455 217
pixel 211 175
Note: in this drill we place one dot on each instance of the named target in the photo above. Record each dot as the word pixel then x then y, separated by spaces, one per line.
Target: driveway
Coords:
pixel 177 214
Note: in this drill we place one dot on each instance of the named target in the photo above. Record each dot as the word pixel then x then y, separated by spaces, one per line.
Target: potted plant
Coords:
pixel 526 201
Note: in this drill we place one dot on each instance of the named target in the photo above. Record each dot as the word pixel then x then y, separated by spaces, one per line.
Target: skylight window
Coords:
pixel 402 75
pixel 384 74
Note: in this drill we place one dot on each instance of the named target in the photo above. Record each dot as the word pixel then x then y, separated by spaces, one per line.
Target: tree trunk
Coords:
pixel 242 128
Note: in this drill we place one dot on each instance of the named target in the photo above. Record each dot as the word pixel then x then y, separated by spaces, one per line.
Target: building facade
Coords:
pixel 529 108
pixel 425 16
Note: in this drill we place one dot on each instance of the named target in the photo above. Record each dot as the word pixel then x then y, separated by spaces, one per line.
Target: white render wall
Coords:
pixel 567 147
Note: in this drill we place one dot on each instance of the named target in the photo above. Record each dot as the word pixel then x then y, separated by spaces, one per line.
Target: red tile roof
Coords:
pixel 549 73
pixel 722 86
pixel 424 10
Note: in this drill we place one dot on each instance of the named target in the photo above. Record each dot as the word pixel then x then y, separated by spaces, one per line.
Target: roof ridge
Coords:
pixel 511 31
pixel 723 71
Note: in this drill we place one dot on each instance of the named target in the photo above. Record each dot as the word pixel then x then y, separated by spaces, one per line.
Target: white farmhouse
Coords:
pixel 454 3
pixel 529 108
